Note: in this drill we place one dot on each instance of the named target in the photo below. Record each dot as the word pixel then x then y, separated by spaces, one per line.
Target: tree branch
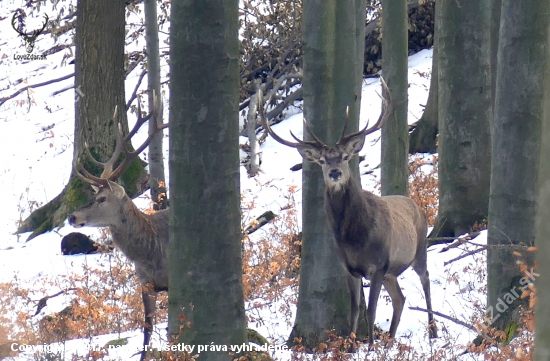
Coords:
pixel 452 319
pixel 37 85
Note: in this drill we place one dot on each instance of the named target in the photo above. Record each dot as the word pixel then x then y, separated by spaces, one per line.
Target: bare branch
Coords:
pixel 37 85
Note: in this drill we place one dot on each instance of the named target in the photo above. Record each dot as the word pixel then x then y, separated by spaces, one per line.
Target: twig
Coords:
pixel 37 85
pixel 486 247
pixel 442 315
pixel 44 300
pixel 434 241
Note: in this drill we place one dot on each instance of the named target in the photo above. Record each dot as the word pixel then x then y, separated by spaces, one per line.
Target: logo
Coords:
pixel 29 38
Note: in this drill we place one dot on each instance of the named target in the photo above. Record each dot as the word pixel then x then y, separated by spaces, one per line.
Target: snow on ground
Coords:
pixel 36 142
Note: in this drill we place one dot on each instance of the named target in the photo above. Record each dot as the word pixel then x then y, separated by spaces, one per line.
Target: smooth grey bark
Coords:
pixel 332 82
pixel 495 29
pixel 155 154
pixel 522 61
pixel 395 133
pixel 99 78
pixel 205 282
pixel 542 227
pixel 423 139
pixel 464 116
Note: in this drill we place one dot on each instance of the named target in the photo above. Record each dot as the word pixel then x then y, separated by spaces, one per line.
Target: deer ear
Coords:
pixel 355 144
pixel 309 153
pixel 117 189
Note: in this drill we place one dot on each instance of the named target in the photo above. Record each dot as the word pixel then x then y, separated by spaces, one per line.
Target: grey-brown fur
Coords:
pixel 143 238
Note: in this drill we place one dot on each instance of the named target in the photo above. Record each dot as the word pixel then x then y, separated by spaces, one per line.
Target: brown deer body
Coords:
pixel 376 237
pixel 143 238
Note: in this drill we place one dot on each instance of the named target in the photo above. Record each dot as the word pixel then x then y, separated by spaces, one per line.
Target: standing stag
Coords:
pixel 376 237
pixel 143 238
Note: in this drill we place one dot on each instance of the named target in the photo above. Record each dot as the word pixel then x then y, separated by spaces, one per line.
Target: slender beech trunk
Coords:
pixel 395 133
pixel 464 116
pixel 332 82
pixel 522 61
pixel 206 302
pixel 542 227
pixel 155 157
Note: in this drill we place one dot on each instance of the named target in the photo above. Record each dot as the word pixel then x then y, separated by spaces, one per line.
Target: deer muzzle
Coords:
pixel 335 174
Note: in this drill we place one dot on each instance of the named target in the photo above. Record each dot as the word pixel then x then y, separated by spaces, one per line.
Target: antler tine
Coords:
pixel 316 140
pixel 265 124
pixel 140 118
pixel 130 156
pixel 343 134
pixel 387 109
pixel 120 145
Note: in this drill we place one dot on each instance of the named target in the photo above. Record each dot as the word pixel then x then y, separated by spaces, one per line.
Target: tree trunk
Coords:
pixel 464 116
pixel 495 29
pixel 331 83
pixel 423 139
pixel 205 287
pixel 99 75
pixel 155 157
pixel 542 226
pixel 522 59
pixel 395 133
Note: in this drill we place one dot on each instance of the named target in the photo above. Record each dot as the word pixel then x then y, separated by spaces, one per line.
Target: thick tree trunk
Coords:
pixel 205 289
pixel 542 227
pixel 522 61
pixel 464 116
pixel 332 82
pixel 99 50
pixel 423 139
pixel 155 157
pixel 395 133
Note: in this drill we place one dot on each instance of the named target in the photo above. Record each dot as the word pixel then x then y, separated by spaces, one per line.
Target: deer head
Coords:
pixel 334 161
pixel 28 38
pixel 104 208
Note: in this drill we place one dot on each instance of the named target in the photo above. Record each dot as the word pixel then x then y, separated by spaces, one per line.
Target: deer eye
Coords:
pixel 322 161
pixel 345 157
pixel 101 199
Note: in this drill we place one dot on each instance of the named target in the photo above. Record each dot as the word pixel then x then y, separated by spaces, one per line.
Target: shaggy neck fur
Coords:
pixel 349 210
pixel 137 234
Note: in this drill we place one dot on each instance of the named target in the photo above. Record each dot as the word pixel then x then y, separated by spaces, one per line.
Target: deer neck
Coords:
pixel 347 210
pixel 134 231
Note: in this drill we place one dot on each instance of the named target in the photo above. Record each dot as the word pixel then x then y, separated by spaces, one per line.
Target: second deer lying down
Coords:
pixel 376 237
pixel 143 238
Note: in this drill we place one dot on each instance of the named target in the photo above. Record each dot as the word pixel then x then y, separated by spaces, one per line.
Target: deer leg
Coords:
pixel 422 271
pixel 397 299
pixel 149 305
pixel 375 285
pixel 355 287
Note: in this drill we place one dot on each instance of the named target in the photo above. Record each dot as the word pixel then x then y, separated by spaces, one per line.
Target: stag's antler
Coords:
pixel 109 172
pixel 387 108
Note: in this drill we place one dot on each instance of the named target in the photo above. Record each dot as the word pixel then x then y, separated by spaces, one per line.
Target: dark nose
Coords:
pixel 335 174
pixel 72 219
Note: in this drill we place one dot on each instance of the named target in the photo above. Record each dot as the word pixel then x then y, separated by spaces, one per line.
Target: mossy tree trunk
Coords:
pixel 464 116
pixel 99 76
pixel 395 133
pixel 332 82
pixel 206 302
pixel 522 62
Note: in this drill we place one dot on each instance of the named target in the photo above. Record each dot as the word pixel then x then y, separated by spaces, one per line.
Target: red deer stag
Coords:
pixel 376 237
pixel 143 238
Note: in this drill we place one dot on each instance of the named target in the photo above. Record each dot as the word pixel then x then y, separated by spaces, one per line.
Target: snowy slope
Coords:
pixel 36 142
